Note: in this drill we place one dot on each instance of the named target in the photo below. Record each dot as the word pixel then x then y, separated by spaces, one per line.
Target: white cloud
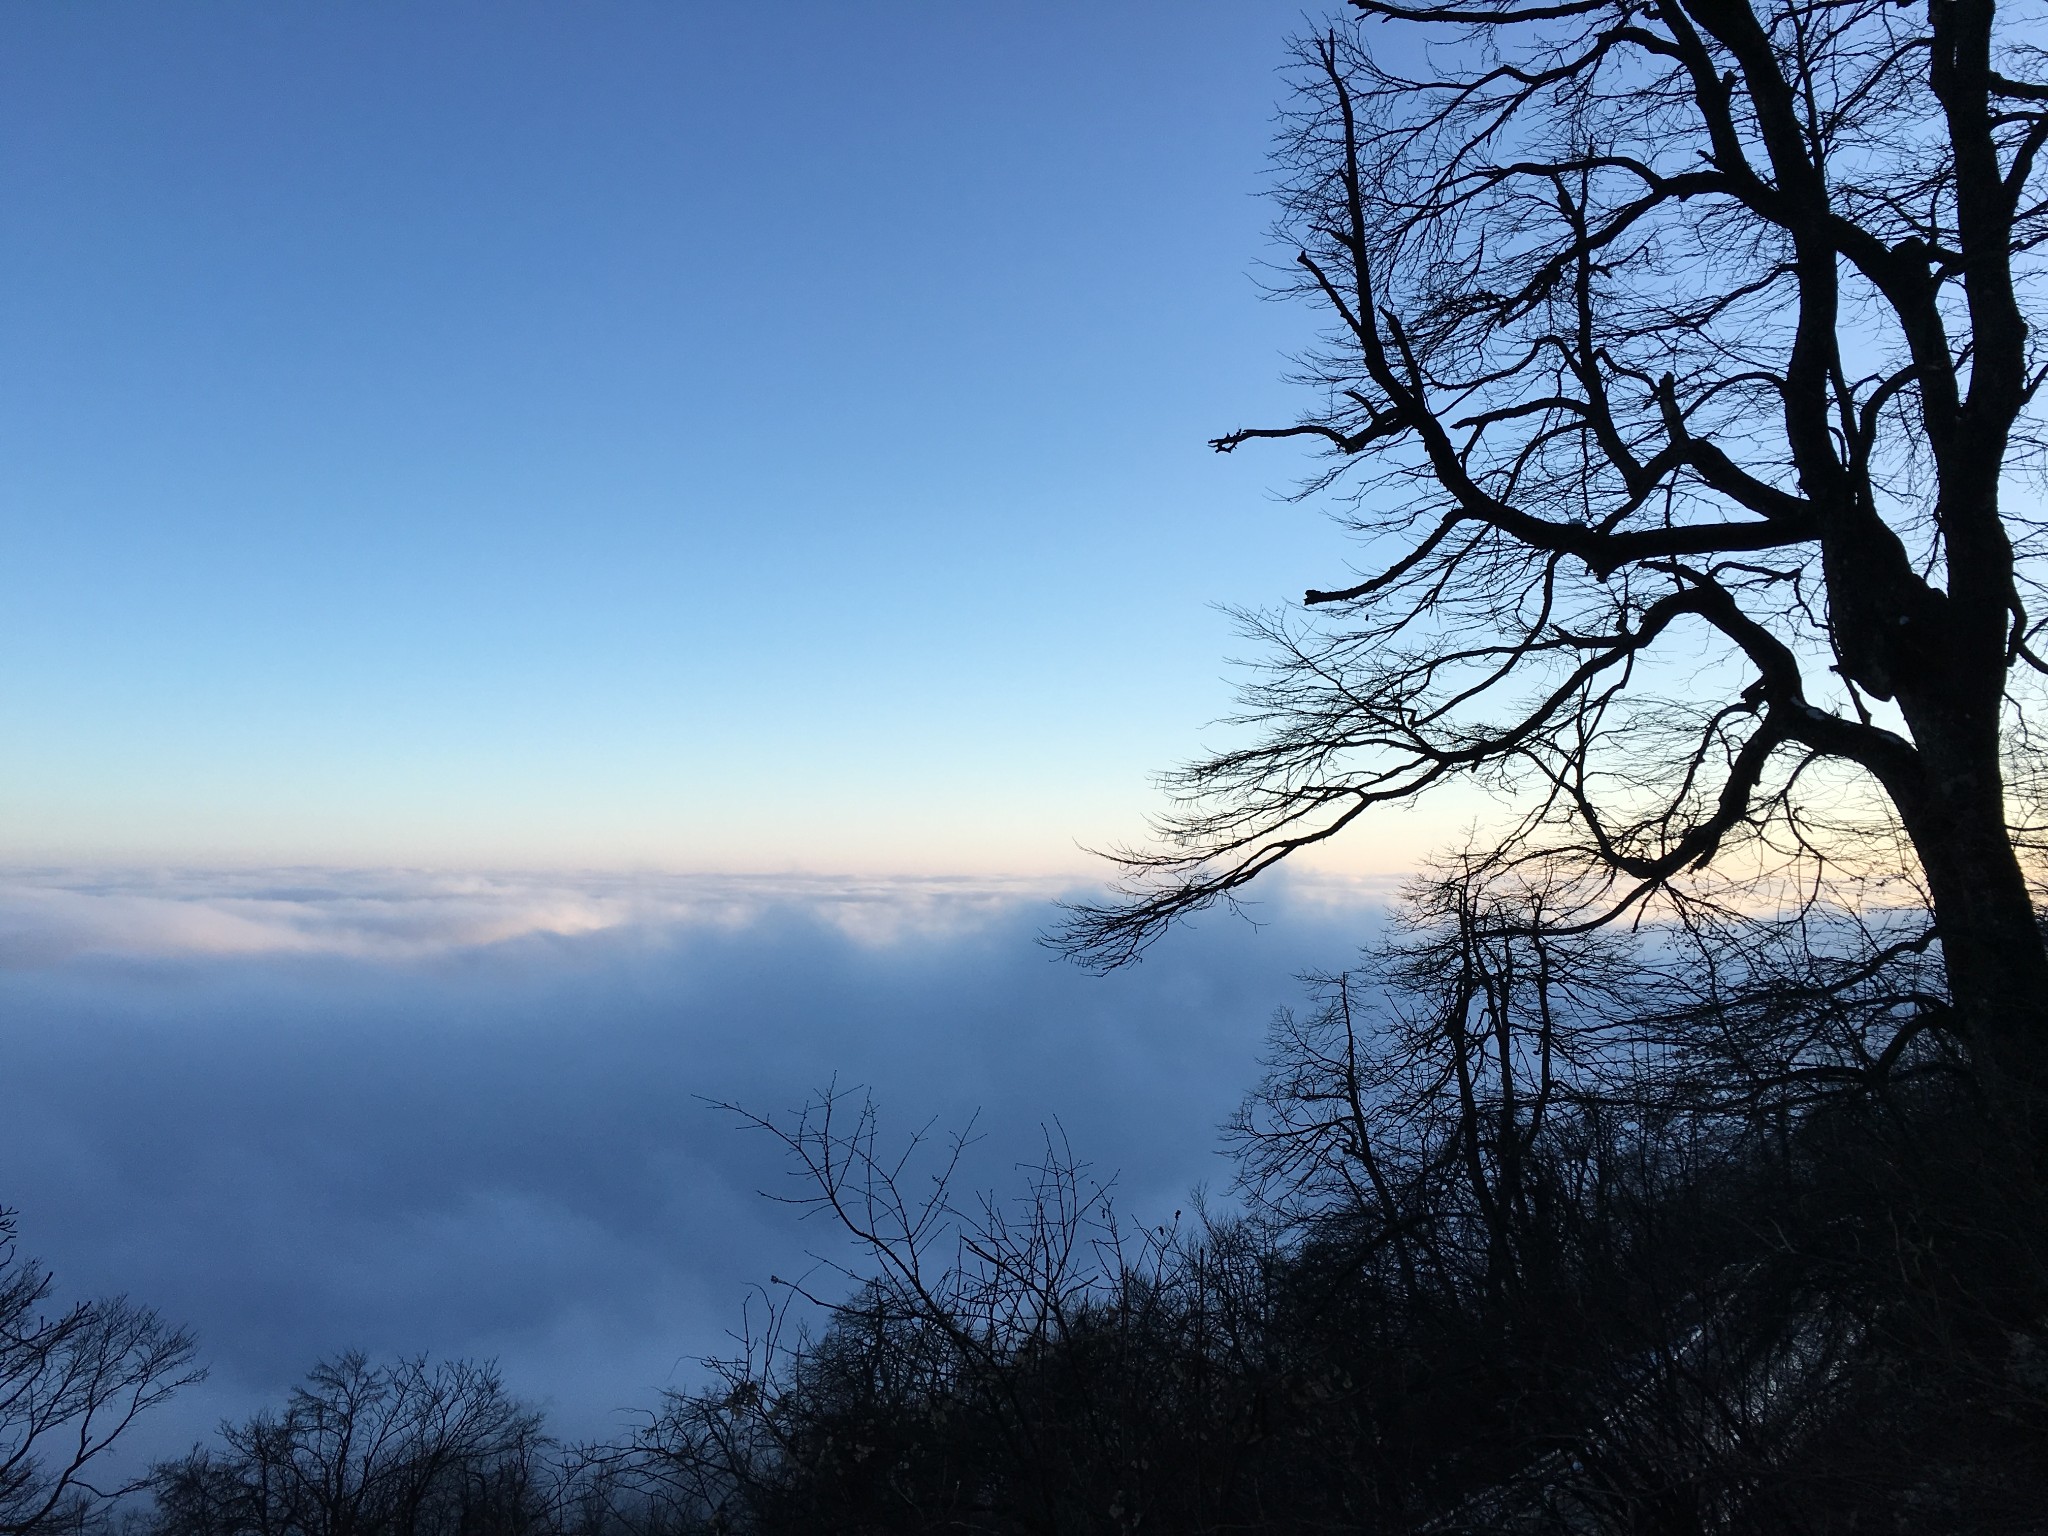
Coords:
pixel 306 1110
pixel 48 917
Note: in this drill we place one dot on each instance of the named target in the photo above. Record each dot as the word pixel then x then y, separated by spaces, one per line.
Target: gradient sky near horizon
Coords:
pixel 694 436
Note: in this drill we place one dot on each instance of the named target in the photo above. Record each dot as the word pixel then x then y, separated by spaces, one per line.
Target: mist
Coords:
pixel 305 1111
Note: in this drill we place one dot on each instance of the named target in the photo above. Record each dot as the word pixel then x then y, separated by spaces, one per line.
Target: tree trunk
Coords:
pixel 1991 939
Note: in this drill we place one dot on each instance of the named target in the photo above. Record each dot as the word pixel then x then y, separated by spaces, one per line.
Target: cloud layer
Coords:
pixel 311 1110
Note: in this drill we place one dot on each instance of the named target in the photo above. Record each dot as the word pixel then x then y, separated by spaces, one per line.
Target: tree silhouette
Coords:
pixel 1675 376
pixel 402 1448
pixel 71 1384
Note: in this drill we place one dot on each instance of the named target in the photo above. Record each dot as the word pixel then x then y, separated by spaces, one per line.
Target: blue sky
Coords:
pixel 688 436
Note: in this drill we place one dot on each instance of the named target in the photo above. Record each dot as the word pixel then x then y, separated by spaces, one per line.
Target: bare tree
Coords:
pixel 1437 1086
pixel 1624 1187
pixel 1676 373
pixel 1003 1366
pixel 363 1449
pixel 70 1385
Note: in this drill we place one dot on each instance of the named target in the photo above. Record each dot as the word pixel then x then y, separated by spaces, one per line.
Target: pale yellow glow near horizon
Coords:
pixel 895 840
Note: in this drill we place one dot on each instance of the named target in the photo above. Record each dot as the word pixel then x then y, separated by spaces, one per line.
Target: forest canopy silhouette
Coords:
pixel 1676 1161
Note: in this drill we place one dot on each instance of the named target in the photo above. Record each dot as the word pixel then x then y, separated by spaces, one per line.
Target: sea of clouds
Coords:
pixel 307 1110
